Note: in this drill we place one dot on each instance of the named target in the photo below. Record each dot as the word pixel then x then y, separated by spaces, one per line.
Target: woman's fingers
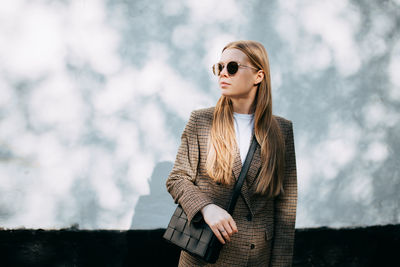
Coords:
pixel 225 234
pixel 224 231
pixel 220 222
pixel 227 231
pixel 233 225
pixel 217 234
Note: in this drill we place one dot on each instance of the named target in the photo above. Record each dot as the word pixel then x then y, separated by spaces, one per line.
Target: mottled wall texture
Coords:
pixel 94 95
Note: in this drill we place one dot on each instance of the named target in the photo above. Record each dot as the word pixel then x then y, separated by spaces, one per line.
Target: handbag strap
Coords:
pixel 242 175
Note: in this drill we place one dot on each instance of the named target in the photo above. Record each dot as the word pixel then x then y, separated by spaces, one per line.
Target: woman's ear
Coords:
pixel 259 77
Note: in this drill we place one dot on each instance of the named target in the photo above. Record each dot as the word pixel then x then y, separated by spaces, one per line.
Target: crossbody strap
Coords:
pixel 242 175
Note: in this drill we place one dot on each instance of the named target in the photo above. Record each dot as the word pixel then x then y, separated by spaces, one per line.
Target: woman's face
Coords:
pixel 242 83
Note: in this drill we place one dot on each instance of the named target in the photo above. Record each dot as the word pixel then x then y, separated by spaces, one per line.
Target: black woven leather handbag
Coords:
pixel 197 238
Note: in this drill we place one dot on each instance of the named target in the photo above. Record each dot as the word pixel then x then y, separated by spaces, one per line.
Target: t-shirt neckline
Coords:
pixel 243 116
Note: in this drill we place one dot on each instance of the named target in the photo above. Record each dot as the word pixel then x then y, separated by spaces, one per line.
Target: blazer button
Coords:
pixel 252 246
pixel 249 217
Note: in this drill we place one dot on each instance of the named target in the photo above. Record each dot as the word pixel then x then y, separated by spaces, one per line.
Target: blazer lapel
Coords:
pixel 254 168
pixel 237 167
pixel 237 163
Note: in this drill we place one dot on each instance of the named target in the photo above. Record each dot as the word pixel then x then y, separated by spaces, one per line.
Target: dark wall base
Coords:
pixel 371 246
pixel 376 246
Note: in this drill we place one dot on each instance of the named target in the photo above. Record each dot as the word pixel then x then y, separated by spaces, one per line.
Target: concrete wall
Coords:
pixel 95 94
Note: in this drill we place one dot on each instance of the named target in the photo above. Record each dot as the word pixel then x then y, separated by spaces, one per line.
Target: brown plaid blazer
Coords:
pixel 266 225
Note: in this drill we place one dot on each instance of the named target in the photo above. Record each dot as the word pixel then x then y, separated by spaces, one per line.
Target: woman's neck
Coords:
pixel 242 107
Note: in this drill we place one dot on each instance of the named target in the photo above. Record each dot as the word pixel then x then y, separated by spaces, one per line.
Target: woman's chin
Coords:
pixel 226 92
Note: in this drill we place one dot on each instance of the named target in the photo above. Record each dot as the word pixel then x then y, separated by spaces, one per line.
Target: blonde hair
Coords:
pixel 220 155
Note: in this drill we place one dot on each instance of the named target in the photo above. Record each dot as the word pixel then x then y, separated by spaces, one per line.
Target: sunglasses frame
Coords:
pixel 217 72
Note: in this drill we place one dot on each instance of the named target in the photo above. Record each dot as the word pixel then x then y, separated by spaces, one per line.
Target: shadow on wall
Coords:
pixel 155 210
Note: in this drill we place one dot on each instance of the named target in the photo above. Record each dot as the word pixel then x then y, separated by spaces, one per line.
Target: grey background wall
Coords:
pixel 95 94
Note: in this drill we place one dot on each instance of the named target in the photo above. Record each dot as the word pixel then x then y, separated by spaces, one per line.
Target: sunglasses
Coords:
pixel 232 67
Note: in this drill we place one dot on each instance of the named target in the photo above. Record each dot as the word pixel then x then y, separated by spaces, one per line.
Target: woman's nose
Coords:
pixel 224 72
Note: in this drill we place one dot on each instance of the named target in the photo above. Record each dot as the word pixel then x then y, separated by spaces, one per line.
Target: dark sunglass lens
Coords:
pixel 232 67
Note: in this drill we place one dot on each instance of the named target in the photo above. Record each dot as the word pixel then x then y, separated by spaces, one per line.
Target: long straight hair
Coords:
pixel 220 155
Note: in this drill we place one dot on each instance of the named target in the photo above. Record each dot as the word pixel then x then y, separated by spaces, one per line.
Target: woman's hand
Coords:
pixel 220 222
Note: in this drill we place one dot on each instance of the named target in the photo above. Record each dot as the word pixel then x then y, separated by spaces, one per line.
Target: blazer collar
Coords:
pixel 251 175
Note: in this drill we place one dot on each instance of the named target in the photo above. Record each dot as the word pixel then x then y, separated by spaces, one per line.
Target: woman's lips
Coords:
pixel 223 84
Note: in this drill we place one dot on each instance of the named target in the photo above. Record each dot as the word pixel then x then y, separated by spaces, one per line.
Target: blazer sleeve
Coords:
pixel 181 181
pixel 285 208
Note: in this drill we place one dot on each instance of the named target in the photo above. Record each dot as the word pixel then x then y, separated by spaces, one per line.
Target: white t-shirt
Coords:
pixel 244 125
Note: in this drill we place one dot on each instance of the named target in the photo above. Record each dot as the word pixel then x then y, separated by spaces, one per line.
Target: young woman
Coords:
pixel 213 147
